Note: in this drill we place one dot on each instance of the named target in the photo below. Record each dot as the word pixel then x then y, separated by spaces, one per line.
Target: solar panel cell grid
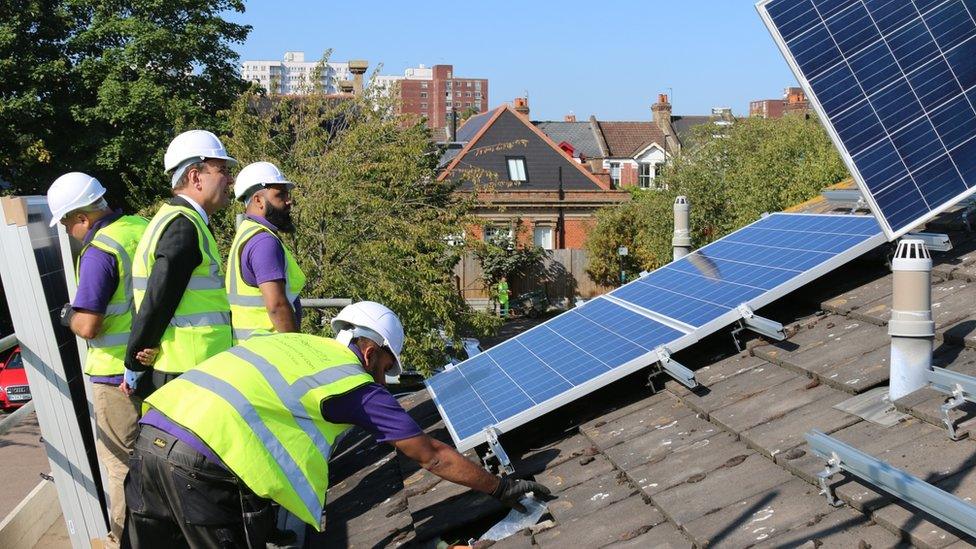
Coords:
pixel 593 342
pixel 895 80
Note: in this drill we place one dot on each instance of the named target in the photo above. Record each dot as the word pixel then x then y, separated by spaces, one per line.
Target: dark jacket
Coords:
pixel 177 254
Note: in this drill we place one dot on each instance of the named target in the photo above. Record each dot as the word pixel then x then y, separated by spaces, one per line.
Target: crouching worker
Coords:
pixel 255 424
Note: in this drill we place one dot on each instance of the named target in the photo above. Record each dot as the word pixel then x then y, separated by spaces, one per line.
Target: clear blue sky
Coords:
pixel 609 58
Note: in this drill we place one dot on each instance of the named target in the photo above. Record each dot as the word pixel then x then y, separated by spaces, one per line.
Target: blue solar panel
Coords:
pixel 592 343
pixel 894 82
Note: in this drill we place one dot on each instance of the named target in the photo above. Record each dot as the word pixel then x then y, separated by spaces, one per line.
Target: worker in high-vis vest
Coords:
pixel 263 281
pixel 258 423
pixel 101 313
pixel 177 274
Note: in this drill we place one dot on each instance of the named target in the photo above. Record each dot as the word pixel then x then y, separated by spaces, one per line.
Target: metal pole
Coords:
pixel 911 327
pixel 682 234
pixel 325 303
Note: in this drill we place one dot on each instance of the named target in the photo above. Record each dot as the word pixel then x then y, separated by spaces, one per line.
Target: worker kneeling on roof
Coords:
pixel 264 281
pixel 102 314
pixel 256 424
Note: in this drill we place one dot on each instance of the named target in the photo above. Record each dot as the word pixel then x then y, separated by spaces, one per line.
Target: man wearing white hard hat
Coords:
pixel 223 441
pixel 102 314
pixel 178 279
pixel 263 281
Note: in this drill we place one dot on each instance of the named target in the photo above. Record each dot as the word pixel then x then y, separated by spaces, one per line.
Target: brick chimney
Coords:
pixel 358 69
pixel 522 106
pixel 661 116
pixel 569 118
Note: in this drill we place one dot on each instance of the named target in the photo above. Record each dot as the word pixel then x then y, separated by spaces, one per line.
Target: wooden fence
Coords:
pixel 562 274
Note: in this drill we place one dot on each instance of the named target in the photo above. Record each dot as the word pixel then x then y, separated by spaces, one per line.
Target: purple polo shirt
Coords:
pixel 98 278
pixel 371 407
pixel 263 260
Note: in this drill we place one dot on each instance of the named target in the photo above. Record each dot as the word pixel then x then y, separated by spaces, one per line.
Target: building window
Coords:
pixel 467 94
pixel 477 85
pixel 494 232
pixel 542 237
pixel 615 174
pixel 423 85
pixel 423 106
pixel 516 169
pixel 423 95
pixel 467 84
pixel 645 175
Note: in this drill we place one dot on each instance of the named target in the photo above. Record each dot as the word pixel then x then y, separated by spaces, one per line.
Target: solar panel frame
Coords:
pixel 691 334
pixel 936 166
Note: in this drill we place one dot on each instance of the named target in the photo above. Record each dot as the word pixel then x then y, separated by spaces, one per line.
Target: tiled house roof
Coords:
pixel 626 139
pixel 725 465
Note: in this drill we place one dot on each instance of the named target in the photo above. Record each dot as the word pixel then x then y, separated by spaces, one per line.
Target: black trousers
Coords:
pixel 177 498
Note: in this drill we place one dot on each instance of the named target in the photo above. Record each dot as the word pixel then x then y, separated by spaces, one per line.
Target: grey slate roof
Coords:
pixel 578 134
pixel 725 465
pixel 473 125
pixel 683 125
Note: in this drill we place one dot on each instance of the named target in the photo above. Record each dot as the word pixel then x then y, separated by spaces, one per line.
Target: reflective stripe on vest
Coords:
pixel 106 352
pixel 249 312
pixel 268 430
pixel 200 326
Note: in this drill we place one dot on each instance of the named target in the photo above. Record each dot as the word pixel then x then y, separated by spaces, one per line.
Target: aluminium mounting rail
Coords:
pixel 904 486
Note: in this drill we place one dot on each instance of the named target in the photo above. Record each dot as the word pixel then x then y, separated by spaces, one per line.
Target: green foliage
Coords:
pixel 503 256
pixel 35 92
pixel 113 83
pixel 731 177
pixel 372 219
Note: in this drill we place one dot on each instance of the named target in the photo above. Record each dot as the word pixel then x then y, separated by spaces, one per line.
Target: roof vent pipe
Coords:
pixel 911 327
pixel 682 235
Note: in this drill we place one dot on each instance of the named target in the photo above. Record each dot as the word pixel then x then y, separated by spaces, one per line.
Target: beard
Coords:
pixel 279 217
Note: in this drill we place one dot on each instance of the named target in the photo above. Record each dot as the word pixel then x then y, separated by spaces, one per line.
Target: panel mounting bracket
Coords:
pixel 496 452
pixel 823 478
pixel 762 326
pixel 682 374
pixel 960 388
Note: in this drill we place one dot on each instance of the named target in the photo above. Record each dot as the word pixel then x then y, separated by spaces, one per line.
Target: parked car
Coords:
pixel 14 391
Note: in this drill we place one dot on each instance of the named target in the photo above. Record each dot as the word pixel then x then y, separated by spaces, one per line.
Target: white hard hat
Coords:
pixel 72 191
pixel 194 144
pixel 256 175
pixel 373 321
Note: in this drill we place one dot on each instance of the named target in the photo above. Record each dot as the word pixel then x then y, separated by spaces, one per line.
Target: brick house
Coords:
pixel 520 174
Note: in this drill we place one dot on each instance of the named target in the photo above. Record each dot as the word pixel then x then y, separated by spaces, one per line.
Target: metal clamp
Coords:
pixel 496 452
pixel 681 373
pixel 961 388
pixel 832 468
pixel 956 401
pixel 753 322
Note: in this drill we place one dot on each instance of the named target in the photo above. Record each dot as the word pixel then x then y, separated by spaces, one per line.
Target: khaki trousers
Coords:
pixel 116 423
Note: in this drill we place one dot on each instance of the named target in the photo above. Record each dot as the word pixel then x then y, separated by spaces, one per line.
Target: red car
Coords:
pixel 14 391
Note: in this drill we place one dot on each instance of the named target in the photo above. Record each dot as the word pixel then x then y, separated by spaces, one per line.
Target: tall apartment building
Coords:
pixel 293 75
pixel 793 101
pixel 434 92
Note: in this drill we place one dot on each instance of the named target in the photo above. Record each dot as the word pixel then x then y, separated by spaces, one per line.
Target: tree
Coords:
pixel 503 256
pixel 37 132
pixel 104 85
pixel 731 177
pixel 372 219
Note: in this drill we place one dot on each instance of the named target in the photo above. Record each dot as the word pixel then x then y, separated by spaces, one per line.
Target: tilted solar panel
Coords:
pixel 893 81
pixel 671 308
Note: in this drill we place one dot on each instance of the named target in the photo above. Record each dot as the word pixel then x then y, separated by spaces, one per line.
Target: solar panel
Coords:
pixel 893 81
pixel 619 333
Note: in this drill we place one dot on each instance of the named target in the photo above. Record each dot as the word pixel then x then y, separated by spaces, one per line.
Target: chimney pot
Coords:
pixel 522 106
pixel 570 118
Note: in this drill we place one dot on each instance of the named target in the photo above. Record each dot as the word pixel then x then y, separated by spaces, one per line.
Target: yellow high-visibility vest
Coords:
pixel 247 310
pixel 200 327
pixel 106 353
pixel 257 406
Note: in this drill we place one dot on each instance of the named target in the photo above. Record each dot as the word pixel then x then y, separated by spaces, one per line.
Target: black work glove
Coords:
pixel 66 313
pixel 510 491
